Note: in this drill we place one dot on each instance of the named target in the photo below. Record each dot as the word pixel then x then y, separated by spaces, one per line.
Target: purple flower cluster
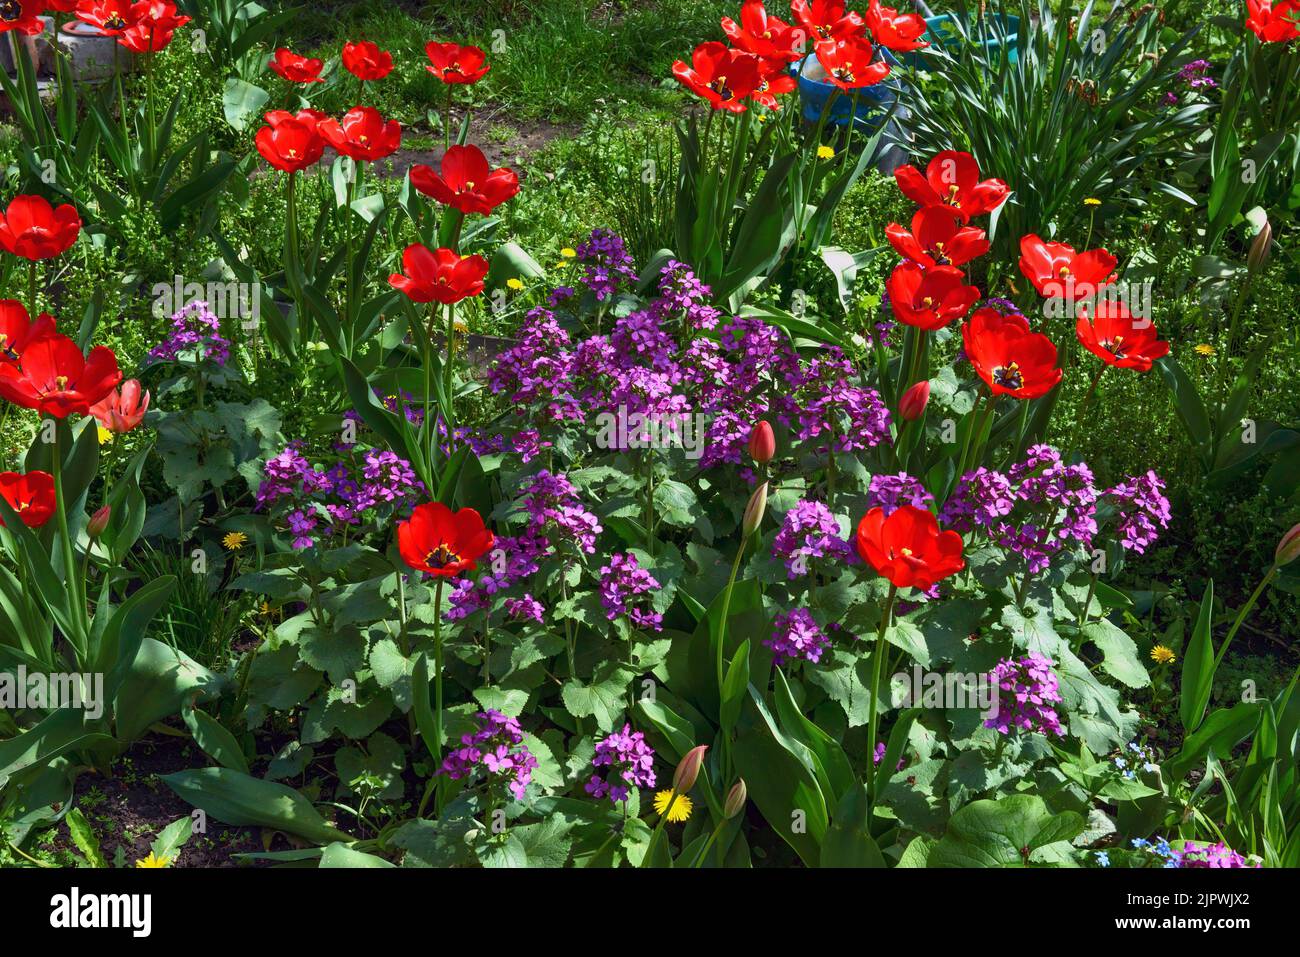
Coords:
pixel 623 761
pixel 554 509
pixel 525 608
pixel 795 636
pixel 622 581
pixel 606 263
pixel 889 492
pixel 828 403
pixel 495 750
pixel 1027 689
pixel 1142 510
pixel 809 531
pixel 339 494
pixel 195 333
pixel 1198 854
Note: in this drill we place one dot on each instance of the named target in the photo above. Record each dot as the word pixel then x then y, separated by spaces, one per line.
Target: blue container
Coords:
pixel 873 101
pixel 943 29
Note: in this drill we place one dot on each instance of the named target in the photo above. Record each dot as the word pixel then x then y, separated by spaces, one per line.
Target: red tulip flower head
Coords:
pixel 111 17
pixel 366 61
pixel 33 229
pixel 1273 22
pixel 913 402
pixel 21 15
pixel 762 443
pixel 156 21
pixel 465 181
pixel 122 410
pixel 1118 338
pixel 17 331
pixel 937 238
pixel 1008 357
pixel 63 6
pixel 952 179
pixel 55 379
pixel 296 69
pixel 1058 272
pixel 288 143
pixel 929 298
pixel 896 31
pixel 848 62
pixel 442 542
pixel 30 495
pixel 763 35
pixel 453 63
pixel 773 81
pixel 827 19
pixel 362 134
pixel 908 548
pixel 723 77
pixel 439 275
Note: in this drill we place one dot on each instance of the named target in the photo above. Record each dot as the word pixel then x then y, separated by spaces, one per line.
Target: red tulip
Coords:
pixel 366 61
pixel 111 17
pixel 307 117
pixel 848 62
pixel 929 298
pixel 894 30
pixel 362 134
pixel 827 19
pixel 21 15
pixel 54 378
pixel 17 330
pixel 722 77
pixel 763 35
pixel 1008 357
pixel 1118 338
pixel 289 144
pixel 453 63
pixel 1273 22
pixel 908 548
pixel 440 275
pixel 30 495
pixel 33 229
pixel 1058 272
pixel 155 23
pixel 952 179
pixel 99 521
pixel 295 68
pixel 1288 547
pixel 914 401
pixel 465 182
pixel 774 80
pixel 63 6
pixel 442 542
pixel 121 411
pixel 762 443
pixel 937 238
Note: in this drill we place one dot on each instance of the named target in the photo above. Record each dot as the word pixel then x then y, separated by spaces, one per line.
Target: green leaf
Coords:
pixel 848 841
pixel 1198 666
pixel 83 835
pixel 340 855
pixel 241 800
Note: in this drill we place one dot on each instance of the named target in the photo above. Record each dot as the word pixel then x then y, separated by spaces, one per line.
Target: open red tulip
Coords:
pixel 55 379
pixel 1058 272
pixel 1008 357
pixel 289 144
pixel 453 63
pixel 827 19
pixel 112 17
pixel 908 548
pixel 763 35
pixel 33 229
pixel 929 298
pixel 122 410
pixel 21 15
pixel 465 181
pixel 1273 22
pixel 938 238
pixel 442 542
pixel 722 77
pixel 17 330
pixel 848 62
pixel 30 495
pixel 366 61
pixel 156 21
pixel 1119 338
pixel 439 275
pixel 894 30
pixel 952 179
pixel 362 134
pixel 295 68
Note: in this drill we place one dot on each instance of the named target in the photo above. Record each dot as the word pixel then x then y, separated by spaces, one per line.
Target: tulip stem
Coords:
pixel 965 449
pixel 32 286
pixel 437 674
pixel 78 614
pixel 1241 615
pixel 877 659
pixel 449 373
pixel 1083 408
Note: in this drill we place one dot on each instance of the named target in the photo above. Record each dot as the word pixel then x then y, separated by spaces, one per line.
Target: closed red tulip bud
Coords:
pixel 914 401
pixel 736 798
pixel 98 522
pixel 754 511
pixel 689 769
pixel 1288 550
pixel 762 443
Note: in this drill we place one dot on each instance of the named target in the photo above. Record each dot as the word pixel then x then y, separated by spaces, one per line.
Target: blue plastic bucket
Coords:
pixel 873 101
pixel 943 29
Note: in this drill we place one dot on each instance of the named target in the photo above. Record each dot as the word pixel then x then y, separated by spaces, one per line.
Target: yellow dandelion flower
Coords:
pixel 682 807
pixel 568 252
pixel 1205 349
pixel 234 541
pixel 1163 655
pixel 459 325
pixel 1092 201
pixel 105 436
pixel 825 152
pixel 154 861
pixel 265 609
pixel 515 284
